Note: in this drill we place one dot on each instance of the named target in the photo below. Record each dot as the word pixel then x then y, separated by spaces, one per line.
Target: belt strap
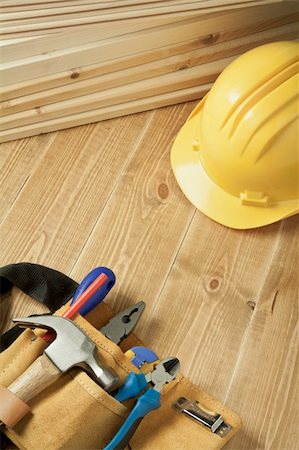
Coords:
pixel 46 285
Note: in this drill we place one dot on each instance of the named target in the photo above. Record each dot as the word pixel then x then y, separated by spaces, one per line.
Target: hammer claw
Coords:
pixel 72 347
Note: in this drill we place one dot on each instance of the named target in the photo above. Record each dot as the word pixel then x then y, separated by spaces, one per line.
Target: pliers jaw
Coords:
pixel 123 323
pixel 163 373
pixel 151 385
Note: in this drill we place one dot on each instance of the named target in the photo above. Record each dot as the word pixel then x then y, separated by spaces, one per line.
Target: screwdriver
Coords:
pixel 82 300
pixel 101 292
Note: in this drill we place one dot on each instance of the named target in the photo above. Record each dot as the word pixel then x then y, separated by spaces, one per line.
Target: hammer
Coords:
pixel 72 347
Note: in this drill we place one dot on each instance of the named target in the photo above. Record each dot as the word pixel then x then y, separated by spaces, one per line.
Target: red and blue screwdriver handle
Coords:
pixel 100 294
pixel 148 401
pixel 90 293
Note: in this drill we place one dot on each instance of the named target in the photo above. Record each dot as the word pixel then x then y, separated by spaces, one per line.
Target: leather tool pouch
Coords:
pixel 77 414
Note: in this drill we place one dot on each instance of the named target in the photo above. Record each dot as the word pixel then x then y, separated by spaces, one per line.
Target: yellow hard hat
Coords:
pixel 236 158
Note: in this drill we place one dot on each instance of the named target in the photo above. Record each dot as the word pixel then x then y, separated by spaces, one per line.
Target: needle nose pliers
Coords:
pixel 134 384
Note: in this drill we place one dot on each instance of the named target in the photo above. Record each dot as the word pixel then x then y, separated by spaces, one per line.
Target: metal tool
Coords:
pixel 72 347
pixel 100 293
pixel 123 323
pixel 143 358
pixel 209 419
pixel 163 373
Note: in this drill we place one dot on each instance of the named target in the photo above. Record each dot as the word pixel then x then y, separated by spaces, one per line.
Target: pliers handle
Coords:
pixel 146 403
pixel 134 384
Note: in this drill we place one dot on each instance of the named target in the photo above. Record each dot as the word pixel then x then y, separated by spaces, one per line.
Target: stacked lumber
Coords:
pixel 67 63
pixel 21 18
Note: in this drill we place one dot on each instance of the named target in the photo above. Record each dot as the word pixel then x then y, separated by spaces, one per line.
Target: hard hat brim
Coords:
pixel 209 198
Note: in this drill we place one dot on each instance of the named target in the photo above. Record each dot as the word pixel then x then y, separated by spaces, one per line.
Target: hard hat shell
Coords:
pixel 236 158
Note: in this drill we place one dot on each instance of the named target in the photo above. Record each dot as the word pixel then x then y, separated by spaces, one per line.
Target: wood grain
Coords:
pixel 59 13
pixel 225 301
pixel 17 161
pixel 188 10
pixel 130 107
pixel 132 69
pixel 95 52
pixel 144 88
pixel 208 43
pixel 69 38
pixel 198 56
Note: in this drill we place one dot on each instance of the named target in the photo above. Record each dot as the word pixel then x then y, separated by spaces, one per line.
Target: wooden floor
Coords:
pixel 224 301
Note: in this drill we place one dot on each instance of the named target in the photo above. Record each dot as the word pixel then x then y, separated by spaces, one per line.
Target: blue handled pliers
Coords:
pixel 163 373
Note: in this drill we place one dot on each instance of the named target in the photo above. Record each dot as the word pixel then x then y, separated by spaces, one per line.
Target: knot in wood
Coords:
pixel 251 304
pixel 163 191
pixel 75 74
pixel 213 284
pixel 211 38
pixel 184 66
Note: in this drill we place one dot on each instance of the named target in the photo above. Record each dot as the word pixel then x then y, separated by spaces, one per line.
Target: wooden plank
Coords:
pixel 60 10
pixel 62 201
pixel 21 29
pixel 13 42
pixel 94 52
pixel 96 115
pixel 17 162
pixel 148 70
pixel 141 237
pixel 60 60
pixel 69 38
pixel 40 5
pixel 268 360
pixel 120 12
pixel 45 3
pixel 190 77
pixel 29 5
pixel 65 39
pixel 70 11
pixel 48 27
pixel 61 3
pixel 82 73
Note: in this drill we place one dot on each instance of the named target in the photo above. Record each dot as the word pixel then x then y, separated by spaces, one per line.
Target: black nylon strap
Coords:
pixel 48 286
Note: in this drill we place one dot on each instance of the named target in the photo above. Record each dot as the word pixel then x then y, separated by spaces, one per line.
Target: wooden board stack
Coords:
pixel 67 63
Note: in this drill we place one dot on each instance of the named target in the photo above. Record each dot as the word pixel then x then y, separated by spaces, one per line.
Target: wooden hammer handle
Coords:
pixel 41 374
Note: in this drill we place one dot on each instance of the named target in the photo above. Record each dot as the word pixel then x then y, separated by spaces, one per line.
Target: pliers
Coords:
pixel 123 323
pixel 163 373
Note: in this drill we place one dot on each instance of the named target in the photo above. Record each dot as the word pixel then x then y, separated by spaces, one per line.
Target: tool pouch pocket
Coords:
pixel 77 414
pixel 74 412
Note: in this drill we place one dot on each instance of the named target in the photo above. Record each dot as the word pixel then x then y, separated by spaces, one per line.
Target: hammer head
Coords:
pixel 72 347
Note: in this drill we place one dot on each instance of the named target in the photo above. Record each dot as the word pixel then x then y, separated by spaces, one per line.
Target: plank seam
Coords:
pixel 170 268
